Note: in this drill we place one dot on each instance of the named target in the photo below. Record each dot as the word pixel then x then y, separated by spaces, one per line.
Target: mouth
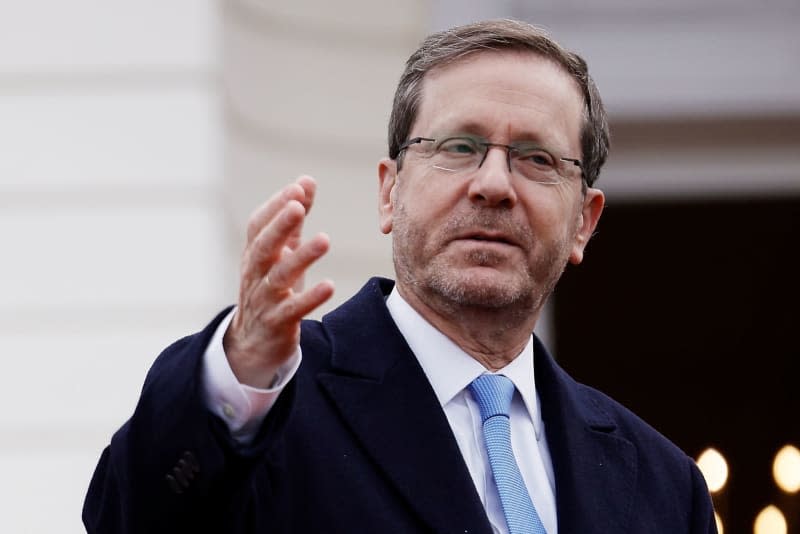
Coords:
pixel 489 237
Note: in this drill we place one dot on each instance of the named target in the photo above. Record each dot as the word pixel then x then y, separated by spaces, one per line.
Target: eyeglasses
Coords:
pixel 466 153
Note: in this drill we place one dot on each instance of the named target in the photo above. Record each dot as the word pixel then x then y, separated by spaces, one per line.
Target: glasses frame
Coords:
pixel 488 145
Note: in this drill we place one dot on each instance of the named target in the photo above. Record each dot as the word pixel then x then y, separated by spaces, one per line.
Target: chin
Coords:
pixel 482 289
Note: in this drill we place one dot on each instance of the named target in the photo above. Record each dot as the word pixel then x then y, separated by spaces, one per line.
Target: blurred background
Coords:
pixel 136 137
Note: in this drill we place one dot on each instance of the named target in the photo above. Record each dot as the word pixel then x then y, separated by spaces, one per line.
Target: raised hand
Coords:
pixel 265 329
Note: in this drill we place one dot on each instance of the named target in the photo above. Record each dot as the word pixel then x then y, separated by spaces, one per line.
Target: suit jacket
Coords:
pixel 358 443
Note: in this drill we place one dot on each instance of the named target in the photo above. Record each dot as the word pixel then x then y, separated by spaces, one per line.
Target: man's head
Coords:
pixel 494 233
pixel 449 46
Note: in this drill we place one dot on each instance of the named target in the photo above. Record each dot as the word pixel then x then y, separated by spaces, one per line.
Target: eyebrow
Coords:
pixel 477 129
pixel 467 127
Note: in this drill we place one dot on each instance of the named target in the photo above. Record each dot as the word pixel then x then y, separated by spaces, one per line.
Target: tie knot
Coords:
pixel 493 394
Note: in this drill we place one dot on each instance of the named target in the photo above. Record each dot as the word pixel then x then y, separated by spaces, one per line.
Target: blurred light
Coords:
pixel 770 521
pixel 786 469
pixel 714 468
pixel 718 521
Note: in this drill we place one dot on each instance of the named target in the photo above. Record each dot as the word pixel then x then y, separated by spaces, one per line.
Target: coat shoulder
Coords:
pixel 665 472
pixel 607 413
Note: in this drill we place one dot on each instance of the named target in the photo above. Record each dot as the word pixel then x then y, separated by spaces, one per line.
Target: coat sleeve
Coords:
pixel 173 466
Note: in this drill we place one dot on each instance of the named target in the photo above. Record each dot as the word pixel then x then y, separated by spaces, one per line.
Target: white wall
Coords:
pixel 110 223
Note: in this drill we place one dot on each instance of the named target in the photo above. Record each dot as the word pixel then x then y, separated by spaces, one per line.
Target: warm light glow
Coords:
pixel 786 469
pixel 714 468
pixel 718 521
pixel 770 521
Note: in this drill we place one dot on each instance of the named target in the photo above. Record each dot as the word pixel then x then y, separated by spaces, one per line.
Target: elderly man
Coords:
pixel 425 404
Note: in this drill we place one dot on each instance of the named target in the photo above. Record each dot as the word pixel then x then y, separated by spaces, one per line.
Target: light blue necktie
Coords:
pixel 493 394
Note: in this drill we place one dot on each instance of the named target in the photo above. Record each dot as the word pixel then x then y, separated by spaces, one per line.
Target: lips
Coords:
pixel 489 237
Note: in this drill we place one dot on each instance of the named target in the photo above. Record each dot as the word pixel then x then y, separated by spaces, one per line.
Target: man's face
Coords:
pixel 487 237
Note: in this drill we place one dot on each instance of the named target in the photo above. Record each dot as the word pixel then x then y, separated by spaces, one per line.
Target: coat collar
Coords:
pixel 407 434
pixel 382 393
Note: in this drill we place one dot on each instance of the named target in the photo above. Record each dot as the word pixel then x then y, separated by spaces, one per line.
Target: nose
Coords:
pixel 492 184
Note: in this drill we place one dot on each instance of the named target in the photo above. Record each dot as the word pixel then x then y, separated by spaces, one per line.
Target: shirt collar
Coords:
pixel 449 369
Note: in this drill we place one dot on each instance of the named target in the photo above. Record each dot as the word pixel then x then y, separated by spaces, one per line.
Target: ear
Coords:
pixel 387 179
pixel 593 202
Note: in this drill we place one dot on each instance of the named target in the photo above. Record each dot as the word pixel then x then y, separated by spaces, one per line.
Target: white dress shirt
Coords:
pixel 450 370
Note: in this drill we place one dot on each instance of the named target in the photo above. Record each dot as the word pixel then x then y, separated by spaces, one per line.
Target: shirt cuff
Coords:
pixel 242 407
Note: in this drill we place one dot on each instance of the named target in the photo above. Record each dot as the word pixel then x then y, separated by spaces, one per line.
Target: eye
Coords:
pixel 458 146
pixel 537 156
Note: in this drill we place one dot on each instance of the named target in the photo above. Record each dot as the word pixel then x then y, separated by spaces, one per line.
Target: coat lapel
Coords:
pixel 407 434
pixel 595 469
pixel 404 428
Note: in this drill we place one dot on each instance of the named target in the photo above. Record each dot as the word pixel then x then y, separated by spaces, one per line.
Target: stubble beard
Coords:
pixel 425 267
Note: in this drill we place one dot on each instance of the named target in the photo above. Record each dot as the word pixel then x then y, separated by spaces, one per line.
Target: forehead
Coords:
pixel 504 95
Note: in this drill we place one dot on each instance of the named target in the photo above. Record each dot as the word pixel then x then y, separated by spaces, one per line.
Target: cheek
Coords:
pixel 544 213
pixel 553 215
pixel 428 197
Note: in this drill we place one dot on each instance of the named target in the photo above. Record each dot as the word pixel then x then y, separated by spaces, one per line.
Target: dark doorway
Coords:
pixel 689 314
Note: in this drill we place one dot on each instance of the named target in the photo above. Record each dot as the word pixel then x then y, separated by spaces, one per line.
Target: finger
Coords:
pixel 299 305
pixel 266 247
pixel 309 186
pixel 266 212
pixel 291 267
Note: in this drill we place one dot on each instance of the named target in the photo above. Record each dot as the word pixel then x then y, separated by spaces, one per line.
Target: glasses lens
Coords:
pixel 536 164
pixel 457 153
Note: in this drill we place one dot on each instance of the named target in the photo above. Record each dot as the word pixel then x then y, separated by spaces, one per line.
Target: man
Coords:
pixel 387 417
